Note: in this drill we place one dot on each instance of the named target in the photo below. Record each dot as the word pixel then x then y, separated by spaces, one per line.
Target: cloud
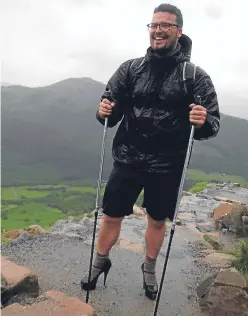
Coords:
pixel 44 41
pixel 214 11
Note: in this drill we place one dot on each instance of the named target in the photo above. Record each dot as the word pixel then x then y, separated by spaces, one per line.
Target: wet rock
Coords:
pixel 126 244
pixel 138 211
pixel 222 210
pixel 58 225
pixel 212 241
pixel 219 260
pixel 205 286
pixel 187 193
pixel 35 230
pixel 245 220
pixel 79 230
pixel 233 220
pixel 236 184
pixel 226 301
pixel 13 234
pixel 222 294
pixel 4 283
pixel 234 279
pixel 205 227
pixel 23 237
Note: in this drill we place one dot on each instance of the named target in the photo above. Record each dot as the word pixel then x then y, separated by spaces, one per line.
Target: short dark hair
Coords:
pixel 166 7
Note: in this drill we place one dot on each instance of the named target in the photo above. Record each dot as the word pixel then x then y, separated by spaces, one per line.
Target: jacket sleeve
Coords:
pixel 116 91
pixel 205 89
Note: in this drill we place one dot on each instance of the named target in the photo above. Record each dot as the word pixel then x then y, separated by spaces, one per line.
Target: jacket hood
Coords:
pixel 186 46
pixel 180 54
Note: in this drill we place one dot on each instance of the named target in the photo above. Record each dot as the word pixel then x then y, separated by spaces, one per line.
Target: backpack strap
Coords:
pixel 189 73
pixel 137 62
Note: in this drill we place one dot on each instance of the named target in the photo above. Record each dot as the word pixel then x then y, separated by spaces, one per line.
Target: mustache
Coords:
pixel 162 35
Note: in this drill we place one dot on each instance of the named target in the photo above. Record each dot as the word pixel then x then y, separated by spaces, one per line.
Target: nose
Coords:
pixel 158 28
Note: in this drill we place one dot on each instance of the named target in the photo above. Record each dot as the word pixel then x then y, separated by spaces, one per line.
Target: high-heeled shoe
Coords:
pixel 150 290
pixel 85 285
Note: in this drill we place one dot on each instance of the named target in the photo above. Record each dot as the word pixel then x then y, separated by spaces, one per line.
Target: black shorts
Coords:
pixel 126 183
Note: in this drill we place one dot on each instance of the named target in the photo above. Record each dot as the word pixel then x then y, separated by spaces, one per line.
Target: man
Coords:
pixel 150 145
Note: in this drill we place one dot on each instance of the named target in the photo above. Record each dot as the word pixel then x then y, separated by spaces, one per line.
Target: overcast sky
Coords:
pixel 44 41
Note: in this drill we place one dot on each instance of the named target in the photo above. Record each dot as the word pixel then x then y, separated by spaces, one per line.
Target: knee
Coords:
pixel 158 225
pixel 112 220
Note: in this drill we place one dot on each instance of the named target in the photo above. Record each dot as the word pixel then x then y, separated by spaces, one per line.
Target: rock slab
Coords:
pixel 52 303
pixel 223 294
pixel 19 280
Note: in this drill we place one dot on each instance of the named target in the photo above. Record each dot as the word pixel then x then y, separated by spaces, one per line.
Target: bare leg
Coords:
pixel 154 237
pixel 108 234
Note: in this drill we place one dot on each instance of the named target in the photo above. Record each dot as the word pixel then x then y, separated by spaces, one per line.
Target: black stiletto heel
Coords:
pixel 92 285
pixel 150 290
pixel 106 274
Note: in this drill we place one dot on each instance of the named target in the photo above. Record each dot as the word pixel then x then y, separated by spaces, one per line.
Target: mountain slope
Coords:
pixel 50 133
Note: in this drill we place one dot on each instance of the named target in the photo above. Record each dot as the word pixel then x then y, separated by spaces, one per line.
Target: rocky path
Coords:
pixel 60 262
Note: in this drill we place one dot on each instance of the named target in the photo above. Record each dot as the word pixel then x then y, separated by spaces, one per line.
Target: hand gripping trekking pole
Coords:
pixel 173 227
pixel 99 183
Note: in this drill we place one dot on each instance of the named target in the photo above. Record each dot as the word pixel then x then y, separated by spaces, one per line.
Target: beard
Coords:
pixel 166 49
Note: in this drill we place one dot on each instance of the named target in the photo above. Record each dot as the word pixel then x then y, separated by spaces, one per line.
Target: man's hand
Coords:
pixel 105 108
pixel 197 115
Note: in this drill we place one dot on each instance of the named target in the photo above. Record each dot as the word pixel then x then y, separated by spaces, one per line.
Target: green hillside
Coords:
pixel 50 135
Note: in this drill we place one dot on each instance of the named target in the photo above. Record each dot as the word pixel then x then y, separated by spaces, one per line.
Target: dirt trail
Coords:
pixel 60 263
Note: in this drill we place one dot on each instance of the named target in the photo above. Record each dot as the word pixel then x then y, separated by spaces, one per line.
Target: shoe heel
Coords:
pixel 149 291
pixel 106 271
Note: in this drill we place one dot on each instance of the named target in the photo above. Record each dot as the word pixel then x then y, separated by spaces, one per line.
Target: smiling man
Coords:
pixel 148 96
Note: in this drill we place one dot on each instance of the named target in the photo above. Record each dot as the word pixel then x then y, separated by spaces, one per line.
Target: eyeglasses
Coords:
pixel 163 26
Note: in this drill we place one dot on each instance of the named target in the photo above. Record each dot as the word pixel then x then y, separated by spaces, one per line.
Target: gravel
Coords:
pixel 60 262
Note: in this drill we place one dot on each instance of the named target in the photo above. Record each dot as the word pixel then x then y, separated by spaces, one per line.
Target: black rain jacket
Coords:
pixel 154 110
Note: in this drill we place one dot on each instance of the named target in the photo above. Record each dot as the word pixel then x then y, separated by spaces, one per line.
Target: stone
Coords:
pixel 227 301
pixel 223 295
pixel 219 198
pixel 138 211
pixel 233 220
pixel 245 220
pixel 35 230
pixel 72 229
pixel 185 193
pixel 205 227
pixel 205 286
pixel 20 280
pixel 230 279
pixel 4 283
pixel 219 260
pixel 23 237
pixel 236 184
pixel 202 245
pixel 222 210
pixel 13 234
pixel 54 303
pixel 133 246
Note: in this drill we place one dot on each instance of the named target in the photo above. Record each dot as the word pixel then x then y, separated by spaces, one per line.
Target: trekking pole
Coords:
pixel 173 227
pixel 99 182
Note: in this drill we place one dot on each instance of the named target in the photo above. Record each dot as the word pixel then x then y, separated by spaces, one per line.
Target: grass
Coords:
pixel 241 254
pixel 31 213
pixel 9 193
pixel 215 244
pixel 44 204
pixel 200 176
pixel 198 187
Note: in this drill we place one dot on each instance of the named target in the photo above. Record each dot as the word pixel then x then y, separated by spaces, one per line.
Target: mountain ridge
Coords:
pixel 53 130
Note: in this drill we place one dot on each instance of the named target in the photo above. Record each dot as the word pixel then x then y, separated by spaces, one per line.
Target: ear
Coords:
pixel 179 33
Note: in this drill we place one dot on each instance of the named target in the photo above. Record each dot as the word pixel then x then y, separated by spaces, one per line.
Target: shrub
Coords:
pixel 241 263
pixel 198 187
